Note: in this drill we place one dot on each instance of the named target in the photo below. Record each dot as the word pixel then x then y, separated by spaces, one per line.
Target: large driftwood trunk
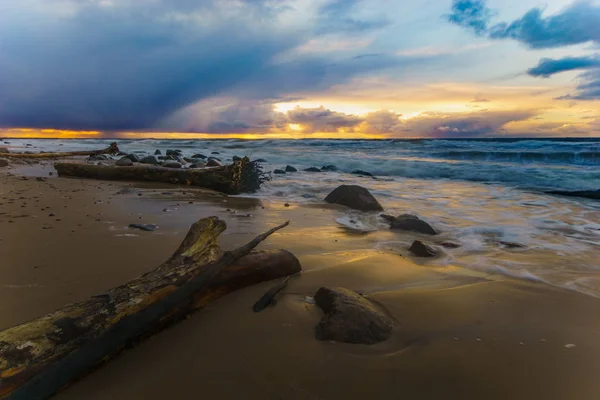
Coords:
pixel 240 177
pixel 40 357
pixel 112 149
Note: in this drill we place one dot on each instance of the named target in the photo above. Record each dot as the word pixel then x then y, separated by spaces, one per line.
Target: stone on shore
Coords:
pixel 173 152
pixel 289 168
pixel 143 227
pixel 279 171
pixel 350 318
pixel 354 196
pixel 201 156
pixel 124 162
pixel 149 160
pixel 412 223
pixel 172 164
pixel 212 162
pixel 421 249
pixel 197 164
pixel 312 169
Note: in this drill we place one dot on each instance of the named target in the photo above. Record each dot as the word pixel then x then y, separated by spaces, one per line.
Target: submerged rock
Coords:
pixel 354 196
pixel 350 318
pixel 149 160
pixel 172 164
pixel 421 249
pixel 412 223
pixel 279 171
pixel 212 162
pixel 124 162
pixel 312 169
pixel 361 172
pixel 329 168
pixel 143 227
pixel 289 168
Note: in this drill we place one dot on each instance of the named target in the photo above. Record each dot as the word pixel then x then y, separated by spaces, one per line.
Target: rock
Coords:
pixel 412 223
pixel 143 227
pixel 149 160
pixel 215 152
pixel 201 156
pixel 173 152
pixel 289 168
pixel 279 171
pixel 4 150
pixel 421 249
pixel 3 162
pixel 213 163
pixel 354 196
pixel 512 245
pixel 157 152
pixel 214 158
pixel 312 169
pixel 171 164
pixel 133 157
pixel 350 318
pixel 197 164
pixel 329 168
pixel 450 245
pixel 260 160
pixel 286 205
pixel 28 145
pixel 236 158
pixel 361 172
pixel 388 217
pixel 189 160
pixel 124 162
pixel 588 194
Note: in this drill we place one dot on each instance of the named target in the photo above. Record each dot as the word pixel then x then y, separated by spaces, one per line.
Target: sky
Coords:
pixel 299 68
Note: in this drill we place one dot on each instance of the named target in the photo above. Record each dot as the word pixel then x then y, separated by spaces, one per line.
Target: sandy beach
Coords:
pixel 460 334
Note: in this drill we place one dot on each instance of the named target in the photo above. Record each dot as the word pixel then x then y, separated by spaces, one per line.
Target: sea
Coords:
pixel 488 195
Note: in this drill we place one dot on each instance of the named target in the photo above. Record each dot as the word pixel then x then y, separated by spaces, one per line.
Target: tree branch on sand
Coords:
pixel 40 357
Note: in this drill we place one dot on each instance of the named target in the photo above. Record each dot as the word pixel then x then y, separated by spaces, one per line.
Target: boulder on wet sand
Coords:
pixel 350 318
pixel 361 172
pixel 312 169
pixel 124 162
pixel 412 223
pixel 354 196
pixel 329 168
pixel 289 168
pixel 3 162
pixel 149 160
pixel 4 150
pixel 172 164
pixel 133 157
pixel 213 163
pixel 421 249
pixel 279 171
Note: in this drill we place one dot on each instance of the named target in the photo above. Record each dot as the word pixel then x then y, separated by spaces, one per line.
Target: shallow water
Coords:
pixel 486 195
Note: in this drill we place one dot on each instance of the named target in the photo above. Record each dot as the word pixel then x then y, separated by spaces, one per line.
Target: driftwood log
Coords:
pixel 40 357
pixel 240 177
pixel 112 149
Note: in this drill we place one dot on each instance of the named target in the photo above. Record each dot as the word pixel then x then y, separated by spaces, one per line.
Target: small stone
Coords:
pixel 420 249
pixel 124 162
pixel 279 172
pixel 213 163
pixel 157 152
pixel 286 205
pixel 354 196
pixel 172 164
pixel 289 168
pixel 201 156
pixel 412 223
pixel 312 169
pixel 215 152
pixel 143 227
pixel 361 172
pixel 133 157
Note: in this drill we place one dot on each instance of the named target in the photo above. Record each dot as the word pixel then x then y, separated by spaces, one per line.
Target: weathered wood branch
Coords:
pixel 112 149
pixel 40 357
pixel 240 177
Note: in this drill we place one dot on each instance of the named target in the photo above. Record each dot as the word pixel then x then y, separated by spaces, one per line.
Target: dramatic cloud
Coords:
pixel 588 88
pixel 576 24
pixel 548 67
pixel 340 16
pixel 322 120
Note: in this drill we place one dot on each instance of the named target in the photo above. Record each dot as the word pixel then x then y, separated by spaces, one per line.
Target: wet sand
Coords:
pixel 460 334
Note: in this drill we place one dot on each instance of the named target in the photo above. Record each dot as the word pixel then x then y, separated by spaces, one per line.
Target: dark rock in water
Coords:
pixel 260 160
pixel 133 157
pixel 215 152
pixel 189 160
pixel 214 158
pixel 236 158
pixel 354 196
pixel 149 160
pixel 361 172
pixel 28 145
pixel 172 164
pixel 289 168
pixel 350 318
pixel 388 217
pixel 202 156
pixel 329 168
pixel 3 162
pixel 124 162
pixel 421 249
pixel 157 152
pixel 312 169
pixel 197 164
pixel 269 298
pixel 279 171
pixel 588 194
pixel 143 227
pixel 4 150
pixel 173 152
pixel 450 245
pixel 213 163
pixel 412 223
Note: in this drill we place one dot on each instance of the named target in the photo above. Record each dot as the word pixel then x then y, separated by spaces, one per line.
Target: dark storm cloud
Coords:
pixel 323 120
pixel 548 67
pixel 128 66
pixel 576 24
pixel 588 87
